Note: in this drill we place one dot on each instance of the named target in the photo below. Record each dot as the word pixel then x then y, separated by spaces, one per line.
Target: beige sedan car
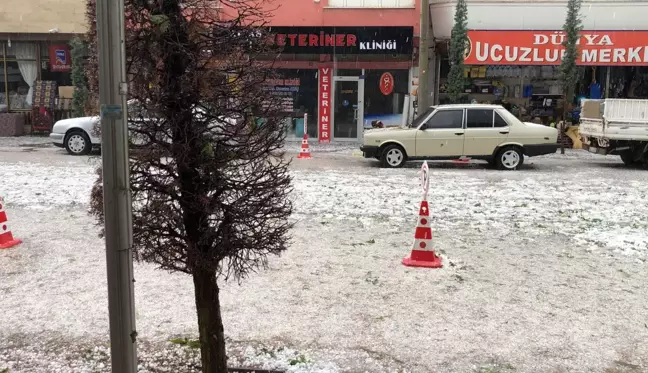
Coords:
pixel 464 131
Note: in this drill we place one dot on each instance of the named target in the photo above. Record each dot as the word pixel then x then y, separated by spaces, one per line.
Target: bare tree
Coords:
pixel 209 182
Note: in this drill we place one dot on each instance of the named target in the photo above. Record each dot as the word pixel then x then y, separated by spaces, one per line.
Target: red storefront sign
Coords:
pixel 59 58
pixel 596 48
pixel 324 123
pixel 386 84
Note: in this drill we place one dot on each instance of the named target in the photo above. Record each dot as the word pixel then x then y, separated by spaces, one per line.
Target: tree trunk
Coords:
pixel 210 322
pixel 561 133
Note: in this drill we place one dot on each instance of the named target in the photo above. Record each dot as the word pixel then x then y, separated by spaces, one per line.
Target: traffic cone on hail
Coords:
pixel 422 254
pixel 305 150
pixel 6 238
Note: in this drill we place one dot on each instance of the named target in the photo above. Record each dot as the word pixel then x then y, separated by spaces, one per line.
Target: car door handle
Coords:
pixel 504 132
pixel 459 133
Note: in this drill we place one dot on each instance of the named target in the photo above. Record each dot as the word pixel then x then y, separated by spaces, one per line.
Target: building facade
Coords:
pixel 34 37
pixel 514 57
pixel 348 64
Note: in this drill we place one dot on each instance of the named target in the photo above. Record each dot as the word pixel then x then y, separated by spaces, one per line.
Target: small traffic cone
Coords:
pixel 422 254
pixel 305 151
pixel 6 238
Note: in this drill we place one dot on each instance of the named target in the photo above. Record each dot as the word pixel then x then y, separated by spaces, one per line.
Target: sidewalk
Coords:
pixel 315 147
pixel 25 141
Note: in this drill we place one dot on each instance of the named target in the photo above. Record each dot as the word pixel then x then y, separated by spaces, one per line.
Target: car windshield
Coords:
pixel 417 122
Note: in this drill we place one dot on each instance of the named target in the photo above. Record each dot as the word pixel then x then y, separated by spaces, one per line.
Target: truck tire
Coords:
pixel 628 158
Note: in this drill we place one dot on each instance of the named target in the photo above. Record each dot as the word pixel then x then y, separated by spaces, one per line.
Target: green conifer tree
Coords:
pixel 80 99
pixel 569 73
pixel 458 45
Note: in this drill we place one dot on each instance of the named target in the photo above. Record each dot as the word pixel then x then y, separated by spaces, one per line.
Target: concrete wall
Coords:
pixel 318 13
pixel 540 15
pixel 40 16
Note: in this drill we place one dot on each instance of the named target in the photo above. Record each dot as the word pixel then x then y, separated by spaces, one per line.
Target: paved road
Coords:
pixel 531 284
pixel 38 150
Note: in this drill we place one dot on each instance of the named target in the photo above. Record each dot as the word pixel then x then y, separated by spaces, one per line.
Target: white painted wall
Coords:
pixel 40 16
pixel 371 3
pixel 540 15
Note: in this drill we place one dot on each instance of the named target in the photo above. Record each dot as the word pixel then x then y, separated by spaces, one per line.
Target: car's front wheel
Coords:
pixel 509 158
pixel 77 143
pixel 393 156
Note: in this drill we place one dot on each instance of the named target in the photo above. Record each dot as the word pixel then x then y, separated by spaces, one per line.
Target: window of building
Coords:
pixel 479 118
pixel 298 91
pixel 19 90
pixel 23 63
pixel 446 119
pixel 387 109
pixel 22 70
pixel 4 107
pixel 372 3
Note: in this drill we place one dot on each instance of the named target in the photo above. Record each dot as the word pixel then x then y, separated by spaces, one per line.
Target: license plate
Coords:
pixel 593 149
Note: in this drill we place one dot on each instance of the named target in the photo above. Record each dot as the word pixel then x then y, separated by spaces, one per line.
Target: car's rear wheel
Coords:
pixel 509 158
pixel 393 156
pixel 77 143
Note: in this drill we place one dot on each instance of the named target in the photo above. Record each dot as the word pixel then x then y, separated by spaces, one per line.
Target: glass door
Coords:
pixel 348 109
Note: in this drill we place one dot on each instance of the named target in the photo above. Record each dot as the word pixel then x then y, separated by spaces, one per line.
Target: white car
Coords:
pixel 467 131
pixel 79 135
pixel 76 135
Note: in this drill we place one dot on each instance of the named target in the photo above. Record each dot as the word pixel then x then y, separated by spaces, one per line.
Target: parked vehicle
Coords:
pixel 78 135
pixel 466 131
pixel 617 127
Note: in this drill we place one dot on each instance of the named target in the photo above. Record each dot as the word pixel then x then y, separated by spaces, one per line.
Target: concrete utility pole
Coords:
pixel 424 87
pixel 116 185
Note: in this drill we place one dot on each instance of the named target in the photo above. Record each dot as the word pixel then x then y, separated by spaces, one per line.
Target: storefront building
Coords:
pixel 345 66
pixel 34 39
pixel 514 59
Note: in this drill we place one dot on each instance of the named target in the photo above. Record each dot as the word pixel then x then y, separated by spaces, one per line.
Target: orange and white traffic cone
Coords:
pixel 6 238
pixel 422 254
pixel 305 151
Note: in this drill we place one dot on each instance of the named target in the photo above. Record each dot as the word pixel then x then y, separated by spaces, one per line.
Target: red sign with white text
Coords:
pixel 596 48
pixel 386 84
pixel 324 123
pixel 59 57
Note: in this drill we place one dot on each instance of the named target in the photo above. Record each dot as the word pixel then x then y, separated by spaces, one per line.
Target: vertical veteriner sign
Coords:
pixel 324 123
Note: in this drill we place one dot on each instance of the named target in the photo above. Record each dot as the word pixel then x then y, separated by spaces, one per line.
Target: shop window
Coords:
pixel 386 108
pixel 61 78
pixel 298 91
pixel 479 118
pixel 22 72
pixel 19 90
pixel 48 73
pixel 446 119
pixel 4 107
pixel 371 3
